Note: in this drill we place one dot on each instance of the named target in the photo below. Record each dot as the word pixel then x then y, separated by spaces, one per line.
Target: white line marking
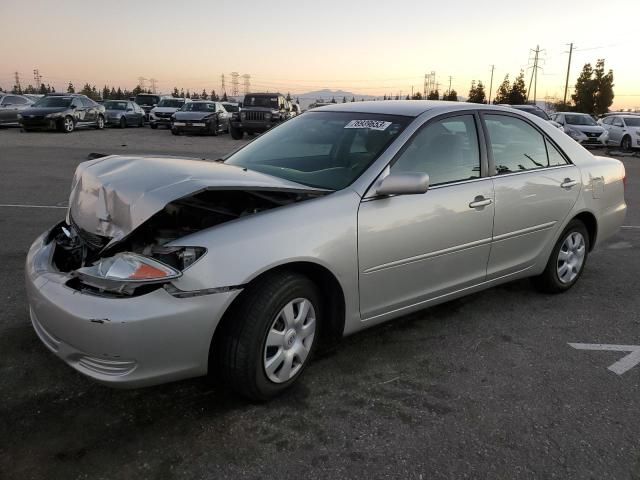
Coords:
pixel 621 366
pixel 29 206
pixel 630 226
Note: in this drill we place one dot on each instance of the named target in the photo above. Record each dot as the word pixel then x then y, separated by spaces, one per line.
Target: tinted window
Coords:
pixel 268 102
pixel 607 120
pixel 517 146
pixel 580 120
pixel 555 157
pixel 52 102
pixel 87 102
pixel 617 122
pixel 230 107
pixel 147 99
pixel 13 100
pixel 115 105
pixel 446 150
pixel 632 122
pixel 76 101
pixel 321 149
pixel 198 107
pixel 171 102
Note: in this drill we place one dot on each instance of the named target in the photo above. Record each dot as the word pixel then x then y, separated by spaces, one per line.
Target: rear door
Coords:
pixel 535 189
pixel 413 248
pixel 616 131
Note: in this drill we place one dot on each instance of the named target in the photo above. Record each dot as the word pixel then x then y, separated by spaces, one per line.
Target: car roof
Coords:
pixel 203 101
pixel 263 94
pixel 407 108
pixel 572 113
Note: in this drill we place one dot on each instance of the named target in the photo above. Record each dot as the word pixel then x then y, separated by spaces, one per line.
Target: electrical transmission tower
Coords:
pixel 235 90
pixel 246 83
pixel 223 87
pixel 429 83
pixel 534 71
pixel 16 76
pixel 153 83
pixel 37 78
pixel 141 83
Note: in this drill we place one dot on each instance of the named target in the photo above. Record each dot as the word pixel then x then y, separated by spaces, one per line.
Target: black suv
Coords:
pixel 260 112
pixel 63 112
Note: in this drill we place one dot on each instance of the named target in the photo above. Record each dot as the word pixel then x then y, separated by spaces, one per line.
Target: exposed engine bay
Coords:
pixel 77 247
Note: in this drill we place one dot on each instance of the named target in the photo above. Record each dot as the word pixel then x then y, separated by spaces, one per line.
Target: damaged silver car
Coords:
pixel 339 219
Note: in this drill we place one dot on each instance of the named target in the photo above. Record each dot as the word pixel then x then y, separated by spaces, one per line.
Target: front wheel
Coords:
pixel 266 343
pixel 123 122
pixel 100 122
pixel 236 133
pixel 153 125
pixel 214 128
pixel 567 260
pixel 175 131
pixel 68 125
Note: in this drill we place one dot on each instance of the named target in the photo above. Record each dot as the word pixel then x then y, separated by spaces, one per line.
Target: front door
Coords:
pixel 535 189
pixel 413 248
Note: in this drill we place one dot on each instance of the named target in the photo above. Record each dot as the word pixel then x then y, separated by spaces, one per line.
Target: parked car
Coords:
pixel 162 113
pixel 295 109
pixel 147 101
pixel 623 130
pixel 123 113
pixel 170 268
pixel 259 113
pixel 10 106
pixel 319 104
pixel 64 112
pixel 582 128
pixel 533 109
pixel 202 117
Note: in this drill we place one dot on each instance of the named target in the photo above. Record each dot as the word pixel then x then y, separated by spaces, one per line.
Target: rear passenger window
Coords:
pixel 446 150
pixel 517 146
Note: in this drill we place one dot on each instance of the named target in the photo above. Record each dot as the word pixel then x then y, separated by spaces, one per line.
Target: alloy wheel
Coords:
pixel 571 257
pixel 289 340
pixel 68 124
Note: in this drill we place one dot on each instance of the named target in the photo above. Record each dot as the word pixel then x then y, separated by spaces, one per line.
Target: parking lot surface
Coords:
pixel 482 387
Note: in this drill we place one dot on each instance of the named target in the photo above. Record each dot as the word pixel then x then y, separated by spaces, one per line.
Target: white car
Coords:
pixel 162 113
pixel 623 130
pixel 582 128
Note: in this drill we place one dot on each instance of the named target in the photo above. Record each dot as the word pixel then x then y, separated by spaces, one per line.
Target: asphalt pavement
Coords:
pixel 482 387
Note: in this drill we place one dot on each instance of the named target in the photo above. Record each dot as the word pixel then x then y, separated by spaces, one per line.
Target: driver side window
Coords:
pixel 446 150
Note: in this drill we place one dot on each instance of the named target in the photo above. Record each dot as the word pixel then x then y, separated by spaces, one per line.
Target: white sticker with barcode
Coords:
pixel 370 124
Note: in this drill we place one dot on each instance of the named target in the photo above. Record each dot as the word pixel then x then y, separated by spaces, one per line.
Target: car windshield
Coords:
pixel 632 122
pixel 261 101
pixel 322 149
pixel 115 105
pixel 198 107
pixel 147 99
pixel 48 102
pixel 535 111
pixel 580 120
pixel 230 108
pixel 171 103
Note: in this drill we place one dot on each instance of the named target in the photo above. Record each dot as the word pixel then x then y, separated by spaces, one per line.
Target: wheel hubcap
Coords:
pixel 289 340
pixel 68 124
pixel 571 257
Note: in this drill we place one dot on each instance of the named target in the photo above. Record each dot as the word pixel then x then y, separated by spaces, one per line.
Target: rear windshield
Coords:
pixel 579 120
pixel 48 102
pixel 261 101
pixel 230 108
pixel 115 105
pixel 632 122
pixel 171 102
pixel 147 99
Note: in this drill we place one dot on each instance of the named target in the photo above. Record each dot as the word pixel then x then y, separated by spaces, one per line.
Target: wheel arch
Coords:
pixel 327 283
pixel 591 224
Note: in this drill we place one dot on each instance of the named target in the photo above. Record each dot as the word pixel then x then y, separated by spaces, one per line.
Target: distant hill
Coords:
pixel 326 95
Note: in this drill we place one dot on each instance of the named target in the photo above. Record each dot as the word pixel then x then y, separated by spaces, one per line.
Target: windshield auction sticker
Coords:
pixel 370 124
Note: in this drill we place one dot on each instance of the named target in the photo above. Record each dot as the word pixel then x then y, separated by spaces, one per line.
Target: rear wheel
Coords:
pixel 100 122
pixel 626 143
pixel 123 122
pixel 567 260
pixel 236 133
pixel 266 343
pixel 175 131
pixel 153 125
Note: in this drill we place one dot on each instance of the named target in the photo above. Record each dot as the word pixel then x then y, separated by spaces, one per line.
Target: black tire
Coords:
pixel 625 144
pixel 238 353
pixel 100 122
pixel 67 125
pixel 153 125
pixel 175 131
pixel 141 122
pixel 236 133
pixel 214 129
pixel 549 281
pixel 123 122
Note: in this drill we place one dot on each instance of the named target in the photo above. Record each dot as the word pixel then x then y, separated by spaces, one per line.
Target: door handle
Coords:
pixel 568 183
pixel 480 202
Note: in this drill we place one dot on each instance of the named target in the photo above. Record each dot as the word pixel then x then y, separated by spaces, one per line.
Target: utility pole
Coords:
pixel 449 92
pixel 566 83
pixel 141 81
pixel 491 84
pixel 246 83
pixel 37 78
pixel 534 73
pixel 153 82
pixel 223 87
pixel 424 89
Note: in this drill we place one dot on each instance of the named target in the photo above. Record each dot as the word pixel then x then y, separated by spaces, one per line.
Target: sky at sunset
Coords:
pixel 366 47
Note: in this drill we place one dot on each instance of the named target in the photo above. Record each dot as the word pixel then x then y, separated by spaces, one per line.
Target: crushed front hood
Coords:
pixel 112 196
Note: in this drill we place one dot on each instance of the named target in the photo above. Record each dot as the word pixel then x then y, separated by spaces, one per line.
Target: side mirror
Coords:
pixel 403 183
pixel 73 107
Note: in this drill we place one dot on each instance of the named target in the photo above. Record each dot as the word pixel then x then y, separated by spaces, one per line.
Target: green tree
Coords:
pixel 119 94
pixel 344 99
pixel 70 88
pixel 105 92
pixel 518 92
pixel 297 100
pixel 433 95
pixel 604 88
pixel 417 96
pixel 30 89
pixel 224 97
pixel 452 96
pixel 333 100
pixel 43 89
pixel 188 94
pixel 353 99
pixel 86 90
pixel 502 94
pixel 477 93
pixel 137 91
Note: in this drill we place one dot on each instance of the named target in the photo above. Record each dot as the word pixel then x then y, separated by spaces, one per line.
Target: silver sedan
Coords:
pixel 345 217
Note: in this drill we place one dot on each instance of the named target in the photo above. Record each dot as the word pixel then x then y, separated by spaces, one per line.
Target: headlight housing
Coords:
pixel 575 134
pixel 53 115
